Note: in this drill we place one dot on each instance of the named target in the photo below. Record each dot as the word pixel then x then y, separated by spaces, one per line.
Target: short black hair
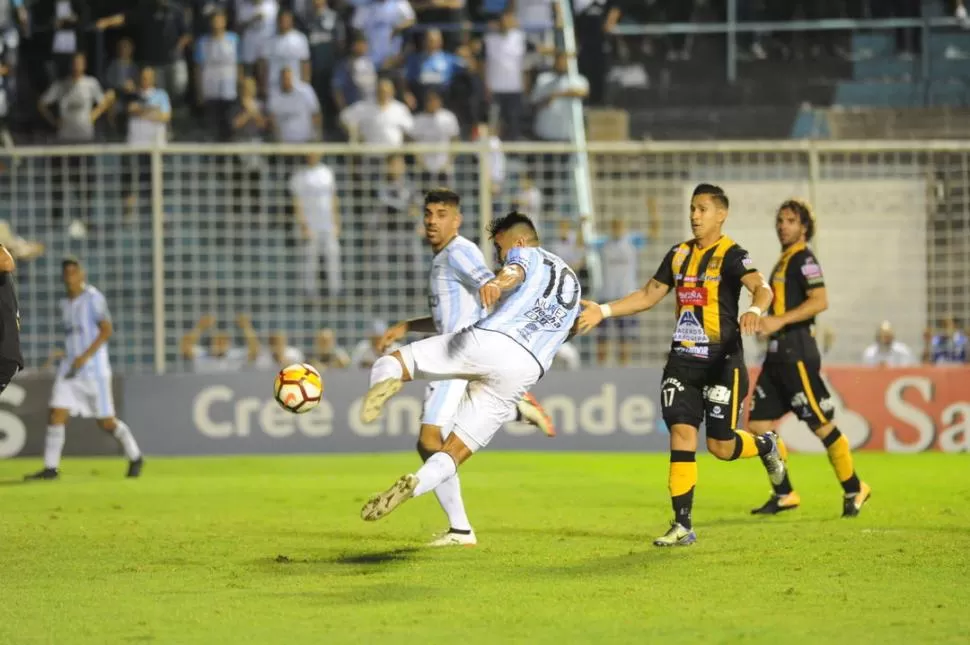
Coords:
pixel 70 261
pixel 805 215
pixel 716 192
pixel 442 196
pixel 512 220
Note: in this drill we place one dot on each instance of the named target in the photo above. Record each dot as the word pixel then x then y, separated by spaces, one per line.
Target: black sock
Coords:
pixel 852 485
pixel 683 504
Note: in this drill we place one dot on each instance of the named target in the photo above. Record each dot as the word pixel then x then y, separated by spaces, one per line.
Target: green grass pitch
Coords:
pixel 272 550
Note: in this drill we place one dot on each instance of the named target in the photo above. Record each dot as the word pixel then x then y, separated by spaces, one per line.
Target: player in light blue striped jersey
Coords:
pixel 458 271
pixel 82 387
pixel 534 302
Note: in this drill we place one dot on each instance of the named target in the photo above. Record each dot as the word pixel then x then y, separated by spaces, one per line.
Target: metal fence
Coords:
pixel 179 233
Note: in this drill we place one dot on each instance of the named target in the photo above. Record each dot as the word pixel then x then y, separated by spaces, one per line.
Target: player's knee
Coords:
pixel 108 425
pixel 760 427
pixel 723 450
pixel 57 417
pixel 429 441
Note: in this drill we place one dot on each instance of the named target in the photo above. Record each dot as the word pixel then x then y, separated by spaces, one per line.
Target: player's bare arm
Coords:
pixel 105 330
pixel 637 302
pixel 816 303
pixel 507 279
pixel 761 297
pixel 7 263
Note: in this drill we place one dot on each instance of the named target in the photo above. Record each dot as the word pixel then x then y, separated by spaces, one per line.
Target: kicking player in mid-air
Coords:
pixel 705 378
pixel 790 379
pixel 501 356
pixel 458 271
pixel 11 358
pixel 83 383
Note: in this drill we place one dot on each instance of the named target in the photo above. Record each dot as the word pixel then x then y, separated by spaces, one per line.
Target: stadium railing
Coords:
pixel 212 232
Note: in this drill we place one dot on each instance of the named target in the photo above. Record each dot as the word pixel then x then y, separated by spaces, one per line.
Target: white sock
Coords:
pixel 384 368
pixel 448 493
pixel 439 467
pixel 53 446
pixel 127 440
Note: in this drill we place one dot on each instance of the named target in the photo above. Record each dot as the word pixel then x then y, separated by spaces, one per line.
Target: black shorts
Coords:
pixel 792 387
pixel 692 392
pixel 8 369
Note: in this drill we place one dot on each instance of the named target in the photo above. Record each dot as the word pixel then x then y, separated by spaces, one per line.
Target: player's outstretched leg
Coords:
pixel 122 434
pixel 528 409
pixel 857 492
pixel 386 377
pixel 783 497
pixel 448 492
pixel 53 446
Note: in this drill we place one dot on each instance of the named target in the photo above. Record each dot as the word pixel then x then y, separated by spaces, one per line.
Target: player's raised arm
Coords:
pixel 641 300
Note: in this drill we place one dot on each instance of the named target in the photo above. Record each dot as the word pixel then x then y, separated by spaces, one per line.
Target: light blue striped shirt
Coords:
pixel 540 312
pixel 81 317
pixel 219 61
pixel 457 273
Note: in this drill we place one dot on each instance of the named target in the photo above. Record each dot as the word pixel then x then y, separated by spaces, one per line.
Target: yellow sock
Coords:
pixel 840 456
pixel 683 477
pixel 749 447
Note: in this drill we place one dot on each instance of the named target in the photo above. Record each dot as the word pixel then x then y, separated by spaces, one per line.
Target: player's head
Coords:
pixel 515 229
pixel 794 222
pixel 72 273
pixel 442 216
pixel 708 210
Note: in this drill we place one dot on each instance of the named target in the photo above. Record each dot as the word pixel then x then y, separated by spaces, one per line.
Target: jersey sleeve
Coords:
pixel 738 263
pixel 470 267
pixel 525 257
pixel 807 271
pixel 99 308
pixel 665 272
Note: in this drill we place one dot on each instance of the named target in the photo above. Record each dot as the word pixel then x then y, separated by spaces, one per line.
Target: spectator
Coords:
pixel 949 347
pixel 505 51
pixel 468 92
pixel 317 213
pixel 383 22
pixel 327 353
pixel 204 10
pixel 256 21
pixel 553 95
pixel 288 49
pixel 162 36
pixel 217 75
pixel 392 229
pixel 594 20
pixel 70 22
pixel 220 356
pixel 279 354
pixel 528 199
pixel 326 35
pixel 436 125
pixel 148 118
pixel 385 121
pixel 365 352
pixel 294 110
pixel 249 124
pixel 619 257
pixel 433 69
pixel 80 102
pixel 122 78
pixel 569 244
pixel 355 79
pixel 887 351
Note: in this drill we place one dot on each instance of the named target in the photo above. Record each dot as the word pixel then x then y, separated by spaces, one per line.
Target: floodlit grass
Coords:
pixel 272 550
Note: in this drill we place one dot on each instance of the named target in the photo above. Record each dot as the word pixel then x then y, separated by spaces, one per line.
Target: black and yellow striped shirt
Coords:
pixel 796 273
pixel 707 284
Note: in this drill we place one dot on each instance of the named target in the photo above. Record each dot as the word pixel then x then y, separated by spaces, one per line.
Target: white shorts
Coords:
pixel 441 399
pixel 88 397
pixel 499 372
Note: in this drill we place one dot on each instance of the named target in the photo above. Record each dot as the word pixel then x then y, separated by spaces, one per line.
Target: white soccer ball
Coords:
pixel 298 388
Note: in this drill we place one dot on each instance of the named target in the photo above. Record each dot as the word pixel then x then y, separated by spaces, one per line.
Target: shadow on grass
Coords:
pixel 13 482
pixel 363 558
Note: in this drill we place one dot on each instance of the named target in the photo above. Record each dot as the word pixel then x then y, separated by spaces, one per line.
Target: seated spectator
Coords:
pixel 294 110
pixel 327 353
pixel 436 125
pixel 385 121
pixel 279 354
pixel 355 79
pixel 216 76
pixel 383 23
pixel 287 49
pixel 433 69
pixel 220 356
pixel 887 351
pixel 949 347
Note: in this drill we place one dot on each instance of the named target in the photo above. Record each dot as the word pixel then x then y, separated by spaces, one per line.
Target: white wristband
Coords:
pixel 606 311
pixel 754 310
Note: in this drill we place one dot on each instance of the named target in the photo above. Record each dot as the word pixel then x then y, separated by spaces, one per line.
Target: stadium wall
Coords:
pixel 892 410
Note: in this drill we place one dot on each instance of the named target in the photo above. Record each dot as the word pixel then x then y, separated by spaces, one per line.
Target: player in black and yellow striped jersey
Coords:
pixel 705 378
pixel 790 379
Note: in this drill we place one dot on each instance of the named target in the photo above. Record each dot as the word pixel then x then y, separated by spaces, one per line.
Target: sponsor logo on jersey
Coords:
pixel 691 296
pixel 689 329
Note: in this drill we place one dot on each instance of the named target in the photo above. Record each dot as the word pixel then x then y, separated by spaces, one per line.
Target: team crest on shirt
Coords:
pixel 747 262
pixel 689 329
pixel 714 264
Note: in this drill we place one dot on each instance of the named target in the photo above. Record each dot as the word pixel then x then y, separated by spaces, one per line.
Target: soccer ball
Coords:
pixel 298 388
